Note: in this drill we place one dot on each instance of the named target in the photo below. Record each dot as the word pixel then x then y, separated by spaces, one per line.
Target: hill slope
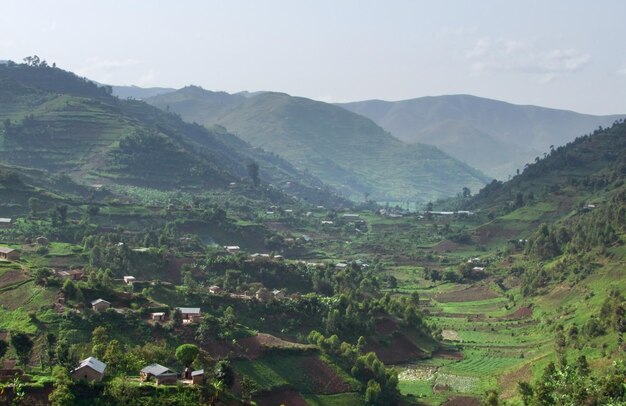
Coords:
pixel 493 136
pixel 343 149
pixel 55 121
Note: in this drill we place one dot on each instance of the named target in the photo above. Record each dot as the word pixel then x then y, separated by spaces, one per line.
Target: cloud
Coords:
pixel 490 55
pixel 622 70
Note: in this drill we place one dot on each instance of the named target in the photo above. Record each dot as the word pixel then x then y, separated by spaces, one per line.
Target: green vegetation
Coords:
pixel 518 297
pixel 343 149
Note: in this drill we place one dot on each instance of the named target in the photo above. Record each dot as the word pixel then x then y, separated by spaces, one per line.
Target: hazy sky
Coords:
pixel 563 54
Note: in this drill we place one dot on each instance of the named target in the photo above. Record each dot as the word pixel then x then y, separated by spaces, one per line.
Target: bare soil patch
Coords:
pixel 519 314
pixel 508 381
pixel 280 397
pixel 400 351
pixel 325 379
pixel 12 277
pixel 386 326
pixel 455 355
pixel 446 246
pixel 471 294
pixel 462 401
pixel 253 347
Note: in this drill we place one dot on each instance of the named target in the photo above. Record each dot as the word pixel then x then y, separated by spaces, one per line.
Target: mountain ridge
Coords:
pixel 342 148
pixel 525 130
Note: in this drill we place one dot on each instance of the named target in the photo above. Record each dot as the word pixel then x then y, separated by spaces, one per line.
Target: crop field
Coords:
pixel 496 337
pixel 305 374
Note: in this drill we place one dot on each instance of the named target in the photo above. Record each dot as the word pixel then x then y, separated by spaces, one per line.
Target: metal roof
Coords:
pixel 156 370
pixel 95 302
pixel 94 364
pixel 189 310
pixel 198 372
pixel 6 250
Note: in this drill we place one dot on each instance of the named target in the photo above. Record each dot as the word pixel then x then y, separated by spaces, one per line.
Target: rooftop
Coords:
pixel 95 302
pixel 94 364
pixel 189 310
pixel 156 370
pixel 6 250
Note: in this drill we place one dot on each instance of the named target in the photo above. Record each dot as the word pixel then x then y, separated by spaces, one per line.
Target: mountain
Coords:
pixel 587 170
pixel 344 149
pixel 139 93
pixel 493 136
pixel 57 122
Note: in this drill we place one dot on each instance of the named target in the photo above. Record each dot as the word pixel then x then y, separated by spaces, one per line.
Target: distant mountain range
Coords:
pixel 493 136
pixel 139 93
pixel 344 149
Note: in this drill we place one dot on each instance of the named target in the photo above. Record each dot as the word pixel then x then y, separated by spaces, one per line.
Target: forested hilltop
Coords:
pixel 149 261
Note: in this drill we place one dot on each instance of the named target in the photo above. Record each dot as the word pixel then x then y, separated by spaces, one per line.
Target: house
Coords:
pixel 215 289
pixel 6 222
pixel 74 274
pixel 349 216
pixel 89 369
pixel 341 265
pixel 260 257
pixel 306 238
pixel 41 240
pixel 100 304
pixel 190 314
pixel 129 279
pixel 197 377
pixel 278 294
pixel 329 222
pixel 478 269
pixel 9 254
pixel 161 375
pixel 233 249
pixel 157 316
pixel 263 295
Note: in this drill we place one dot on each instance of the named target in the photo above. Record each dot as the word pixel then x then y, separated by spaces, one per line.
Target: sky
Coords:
pixel 566 54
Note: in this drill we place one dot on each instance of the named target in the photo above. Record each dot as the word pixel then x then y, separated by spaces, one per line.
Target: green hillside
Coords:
pixel 496 137
pixel 55 121
pixel 343 149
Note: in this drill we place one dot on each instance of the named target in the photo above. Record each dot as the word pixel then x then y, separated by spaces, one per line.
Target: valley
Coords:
pixel 199 268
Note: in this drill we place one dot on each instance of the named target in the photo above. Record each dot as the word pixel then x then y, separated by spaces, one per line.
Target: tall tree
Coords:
pixel 23 346
pixel 253 172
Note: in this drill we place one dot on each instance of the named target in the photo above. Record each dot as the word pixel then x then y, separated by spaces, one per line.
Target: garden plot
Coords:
pixel 425 380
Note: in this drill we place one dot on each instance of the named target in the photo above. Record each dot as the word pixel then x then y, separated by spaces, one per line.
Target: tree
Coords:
pixel 99 340
pixel 34 206
pixel 467 192
pixel 4 346
pixel 23 346
pixel 372 393
pixel 62 394
pixel 253 172
pixel 224 373
pixel 69 288
pixel 186 353
pixel 51 341
pixel 114 355
pixel 491 398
